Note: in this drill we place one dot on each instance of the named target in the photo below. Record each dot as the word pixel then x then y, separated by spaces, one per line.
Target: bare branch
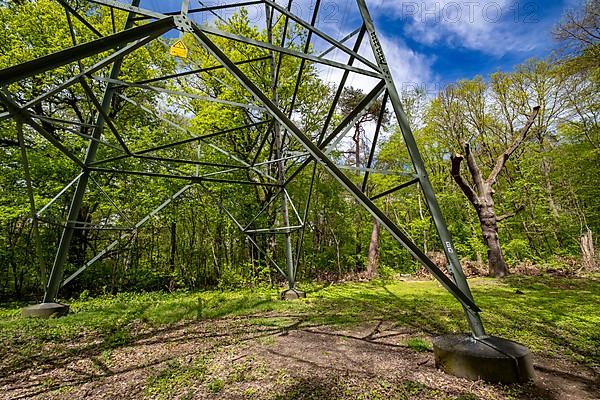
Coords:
pixel 464 186
pixel 501 161
pixel 8 143
pixel 474 168
pixel 510 215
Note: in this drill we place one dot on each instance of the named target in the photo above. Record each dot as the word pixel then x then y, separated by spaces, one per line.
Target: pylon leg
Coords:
pixel 58 268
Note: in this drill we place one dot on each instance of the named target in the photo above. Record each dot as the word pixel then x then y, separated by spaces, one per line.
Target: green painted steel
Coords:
pixel 434 208
pixel 328 164
pixel 278 123
pixel 58 268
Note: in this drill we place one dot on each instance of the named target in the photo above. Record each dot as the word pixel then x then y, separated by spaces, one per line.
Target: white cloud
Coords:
pixel 493 27
pixel 408 67
pixel 337 18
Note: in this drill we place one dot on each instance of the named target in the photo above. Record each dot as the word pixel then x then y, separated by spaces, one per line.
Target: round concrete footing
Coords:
pixel 490 358
pixel 45 310
pixel 293 294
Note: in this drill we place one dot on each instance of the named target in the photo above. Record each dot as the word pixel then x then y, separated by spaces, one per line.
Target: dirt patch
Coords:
pixel 271 356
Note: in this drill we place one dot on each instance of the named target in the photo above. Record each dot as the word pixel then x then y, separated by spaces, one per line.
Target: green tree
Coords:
pixel 466 118
pixel 349 100
pixel 30 30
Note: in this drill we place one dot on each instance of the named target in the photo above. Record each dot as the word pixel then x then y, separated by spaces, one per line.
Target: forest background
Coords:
pixel 487 146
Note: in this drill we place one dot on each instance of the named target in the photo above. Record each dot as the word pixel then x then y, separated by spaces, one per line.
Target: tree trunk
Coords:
pixel 359 263
pixel 356 138
pixel 480 195
pixel 17 278
pixel 374 250
pixel 425 249
pixel 489 229
pixel 172 253
pixel 337 252
pixel 588 252
pixel 551 203
pixel 173 246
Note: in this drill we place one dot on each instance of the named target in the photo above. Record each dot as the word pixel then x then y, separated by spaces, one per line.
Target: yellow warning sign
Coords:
pixel 179 49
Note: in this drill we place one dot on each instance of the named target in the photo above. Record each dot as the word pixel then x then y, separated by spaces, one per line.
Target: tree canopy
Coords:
pixel 514 158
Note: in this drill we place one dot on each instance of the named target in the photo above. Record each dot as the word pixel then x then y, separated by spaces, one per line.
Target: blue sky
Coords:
pixel 435 42
pixel 461 39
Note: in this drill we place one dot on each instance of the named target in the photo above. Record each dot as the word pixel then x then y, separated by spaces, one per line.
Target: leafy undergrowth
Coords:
pixel 555 317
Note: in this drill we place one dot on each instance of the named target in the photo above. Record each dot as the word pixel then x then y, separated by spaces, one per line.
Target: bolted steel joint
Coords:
pixel 183 23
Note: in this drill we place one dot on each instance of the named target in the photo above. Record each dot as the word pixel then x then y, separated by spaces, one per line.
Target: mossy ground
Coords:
pixel 344 341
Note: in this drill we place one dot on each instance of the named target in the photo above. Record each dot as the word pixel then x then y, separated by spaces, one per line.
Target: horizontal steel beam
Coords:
pixel 119 83
pixel 284 50
pixel 54 120
pixel 117 55
pixel 196 71
pixel 280 230
pixel 374 170
pixel 323 35
pixel 191 178
pixel 178 143
pixel 116 242
pixel 218 7
pixel 190 162
pixel 75 53
pixel 177 126
pixel 25 117
pixel 126 7
pixel 330 166
pixel 395 189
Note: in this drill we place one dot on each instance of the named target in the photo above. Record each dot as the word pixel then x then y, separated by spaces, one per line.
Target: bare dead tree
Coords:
pixel 480 195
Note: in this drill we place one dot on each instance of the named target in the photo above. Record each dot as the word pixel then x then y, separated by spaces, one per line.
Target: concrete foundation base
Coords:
pixel 293 294
pixel 45 310
pixel 490 358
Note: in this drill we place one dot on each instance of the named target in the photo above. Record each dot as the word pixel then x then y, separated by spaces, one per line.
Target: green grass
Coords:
pixel 174 376
pixel 418 344
pixel 554 316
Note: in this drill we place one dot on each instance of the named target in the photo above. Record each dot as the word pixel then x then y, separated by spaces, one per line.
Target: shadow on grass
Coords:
pixel 554 316
pixel 343 387
pixel 548 314
pixel 211 342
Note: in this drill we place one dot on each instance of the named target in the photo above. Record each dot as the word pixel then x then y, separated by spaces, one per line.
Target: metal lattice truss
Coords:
pixel 279 144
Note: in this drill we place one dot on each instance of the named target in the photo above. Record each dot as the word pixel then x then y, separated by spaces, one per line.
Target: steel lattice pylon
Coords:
pixel 285 148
